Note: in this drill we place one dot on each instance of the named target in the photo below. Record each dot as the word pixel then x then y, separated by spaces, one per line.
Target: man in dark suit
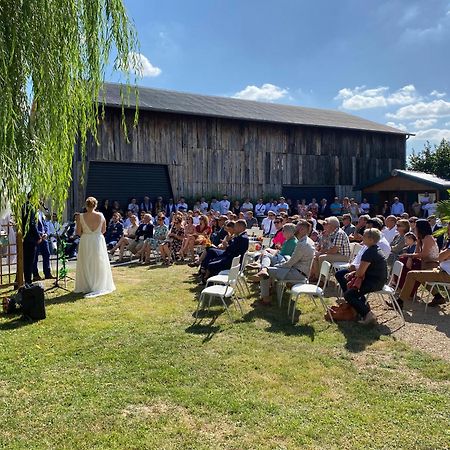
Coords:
pixel 31 239
pixel 114 231
pixel 324 209
pixel 42 248
pixel 217 260
pixel 146 205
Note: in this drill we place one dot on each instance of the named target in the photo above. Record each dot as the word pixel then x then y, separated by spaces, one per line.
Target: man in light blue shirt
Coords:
pixel 224 205
pixel 282 205
pixel 397 207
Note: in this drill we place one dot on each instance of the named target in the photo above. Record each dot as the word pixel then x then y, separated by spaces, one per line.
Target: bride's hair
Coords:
pixel 91 202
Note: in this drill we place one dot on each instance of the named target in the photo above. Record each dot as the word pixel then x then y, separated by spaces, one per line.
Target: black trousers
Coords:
pixel 29 254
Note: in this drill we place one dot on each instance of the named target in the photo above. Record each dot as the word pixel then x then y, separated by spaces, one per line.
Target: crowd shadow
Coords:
pixel 16 321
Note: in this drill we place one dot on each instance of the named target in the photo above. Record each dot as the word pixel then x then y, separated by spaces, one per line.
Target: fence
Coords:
pixel 8 253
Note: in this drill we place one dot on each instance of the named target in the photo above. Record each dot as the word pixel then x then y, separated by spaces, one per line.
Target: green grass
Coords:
pixel 131 371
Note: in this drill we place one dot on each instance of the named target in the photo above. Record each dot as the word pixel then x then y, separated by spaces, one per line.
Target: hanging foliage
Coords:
pixel 53 58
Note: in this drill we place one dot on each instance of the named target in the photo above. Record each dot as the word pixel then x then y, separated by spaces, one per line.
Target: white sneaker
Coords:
pixel 369 319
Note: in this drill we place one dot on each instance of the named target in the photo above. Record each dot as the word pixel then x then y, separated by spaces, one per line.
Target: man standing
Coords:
pixel 397 208
pixel 42 248
pixel 336 207
pixel 31 239
pixel 282 206
pixel 203 205
pixel 182 205
pixel 324 210
pixel 260 210
pixel 247 206
pixel 224 205
pixel 146 205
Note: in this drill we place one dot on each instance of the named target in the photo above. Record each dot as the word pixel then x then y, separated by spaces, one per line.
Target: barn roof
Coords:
pixel 231 108
pixel 420 177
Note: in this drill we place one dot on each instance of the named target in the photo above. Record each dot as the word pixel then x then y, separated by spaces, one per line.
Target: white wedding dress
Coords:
pixel 93 274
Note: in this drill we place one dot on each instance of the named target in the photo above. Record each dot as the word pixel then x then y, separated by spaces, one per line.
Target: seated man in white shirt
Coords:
pixel 267 224
pixel 390 230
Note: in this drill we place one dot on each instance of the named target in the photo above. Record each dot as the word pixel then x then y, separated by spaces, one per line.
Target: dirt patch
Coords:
pixel 212 428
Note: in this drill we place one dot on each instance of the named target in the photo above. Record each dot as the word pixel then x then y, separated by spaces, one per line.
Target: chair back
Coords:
pixel 257 232
pixel 250 232
pixel 266 242
pixel 324 274
pixel 355 247
pixel 396 272
pixel 233 275
pixel 236 261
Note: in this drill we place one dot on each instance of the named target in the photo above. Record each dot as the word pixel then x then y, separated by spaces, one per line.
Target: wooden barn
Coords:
pixel 191 145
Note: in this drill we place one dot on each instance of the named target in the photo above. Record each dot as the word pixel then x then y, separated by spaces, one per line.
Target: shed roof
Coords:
pixel 419 177
pixel 231 108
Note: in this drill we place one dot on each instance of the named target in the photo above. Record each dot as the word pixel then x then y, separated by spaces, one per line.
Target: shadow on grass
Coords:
pixel 209 330
pixel 15 323
pixel 279 323
pixel 69 297
pixel 359 337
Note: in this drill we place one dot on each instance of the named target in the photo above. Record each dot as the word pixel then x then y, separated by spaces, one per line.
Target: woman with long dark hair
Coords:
pixel 426 256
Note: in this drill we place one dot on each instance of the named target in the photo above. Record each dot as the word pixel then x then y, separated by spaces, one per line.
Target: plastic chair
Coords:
pixel 222 292
pixel 312 290
pixel 222 277
pixel 391 289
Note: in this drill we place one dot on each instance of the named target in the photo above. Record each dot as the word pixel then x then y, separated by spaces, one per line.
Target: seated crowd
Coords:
pixel 302 236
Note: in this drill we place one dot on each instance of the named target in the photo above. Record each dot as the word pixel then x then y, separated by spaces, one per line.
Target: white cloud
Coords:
pixel 267 92
pixel 399 126
pixel 362 98
pixel 422 110
pixel 447 124
pixel 423 123
pixel 432 134
pixel 438 94
pixel 141 65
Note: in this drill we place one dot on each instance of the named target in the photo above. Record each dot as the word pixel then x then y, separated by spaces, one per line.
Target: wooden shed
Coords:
pixel 409 186
pixel 191 145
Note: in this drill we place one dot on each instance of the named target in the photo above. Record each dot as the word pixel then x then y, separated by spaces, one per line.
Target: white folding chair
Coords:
pixel 222 277
pixel 390 289
pixel 223 292
pixel 354 249
pixel 312 290
pixel 266 242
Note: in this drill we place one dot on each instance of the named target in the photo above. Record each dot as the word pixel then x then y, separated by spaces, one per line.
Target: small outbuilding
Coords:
pixel 409 186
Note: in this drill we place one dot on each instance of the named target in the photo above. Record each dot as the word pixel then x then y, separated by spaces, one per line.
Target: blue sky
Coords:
pixel 387 61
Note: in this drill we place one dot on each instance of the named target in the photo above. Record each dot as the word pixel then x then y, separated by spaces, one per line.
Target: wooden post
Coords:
pixel 19 270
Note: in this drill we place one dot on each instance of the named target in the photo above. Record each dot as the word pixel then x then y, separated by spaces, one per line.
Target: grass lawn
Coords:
pixel 130 371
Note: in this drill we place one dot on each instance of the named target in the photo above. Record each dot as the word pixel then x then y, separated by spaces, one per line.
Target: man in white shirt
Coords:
pixel 390 230
pixel 247 206
pixel 429 209
pixel 267 224
pixel 282 205
pixel 203 205
pixel 182 204
pixel 397 208
pixel 260 210
pixel 224 205
pixel 365 206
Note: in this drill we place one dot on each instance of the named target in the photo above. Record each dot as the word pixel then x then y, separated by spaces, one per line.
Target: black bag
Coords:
pixel 33 302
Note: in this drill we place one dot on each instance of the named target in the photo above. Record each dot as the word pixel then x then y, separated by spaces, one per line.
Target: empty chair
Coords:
pixel 223 292
pixel 312 290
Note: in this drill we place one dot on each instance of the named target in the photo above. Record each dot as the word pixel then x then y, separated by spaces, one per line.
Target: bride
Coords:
pixel 93 274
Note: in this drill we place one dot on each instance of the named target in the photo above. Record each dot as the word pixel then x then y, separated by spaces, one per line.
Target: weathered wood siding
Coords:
pixel 207 155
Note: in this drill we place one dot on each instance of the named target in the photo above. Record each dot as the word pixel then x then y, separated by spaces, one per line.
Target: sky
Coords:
pixel 386 61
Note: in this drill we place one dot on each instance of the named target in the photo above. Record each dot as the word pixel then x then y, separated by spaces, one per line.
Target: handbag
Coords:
pixel 354 282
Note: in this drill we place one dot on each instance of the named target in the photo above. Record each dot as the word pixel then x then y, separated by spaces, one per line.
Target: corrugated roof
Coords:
pixel 231 108
pixel 423 177
pixel 420 177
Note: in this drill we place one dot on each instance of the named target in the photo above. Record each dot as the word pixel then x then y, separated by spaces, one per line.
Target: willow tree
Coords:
pixel 53 58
